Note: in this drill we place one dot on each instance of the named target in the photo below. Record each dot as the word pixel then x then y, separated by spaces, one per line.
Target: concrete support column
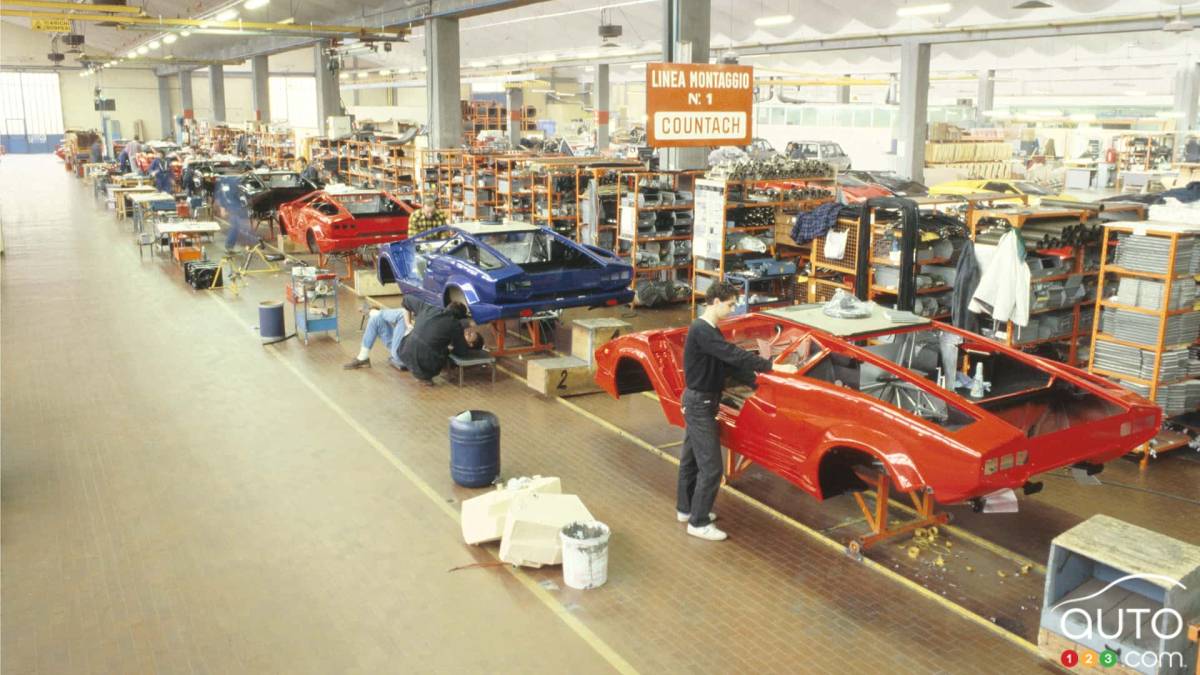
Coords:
pixel 216 90
pixel 443 93
pixel 843 92
pixel 985 100
pixel 185 92
pixel 329 97
pixel 1187 91
pixel 164 108
pixel 260 88
pixel 515 102
pixel 914 110
pixel 686 38
pixel 603 92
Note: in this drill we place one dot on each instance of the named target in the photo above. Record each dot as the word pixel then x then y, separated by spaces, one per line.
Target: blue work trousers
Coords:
pixel 388 325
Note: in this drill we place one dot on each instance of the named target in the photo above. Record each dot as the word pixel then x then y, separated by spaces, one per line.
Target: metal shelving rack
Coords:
pixel 481 200
pixel 437 171
pixel 377 164
pixel 710 228
pixel 1179 241
pixel 629 232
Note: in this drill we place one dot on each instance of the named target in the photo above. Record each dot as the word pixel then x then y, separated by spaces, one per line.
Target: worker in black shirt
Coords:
pixel 426 347
pixel 707 356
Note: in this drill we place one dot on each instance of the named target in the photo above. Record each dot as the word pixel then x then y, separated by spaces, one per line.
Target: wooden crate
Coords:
pixel 588 335
pixel 561 376
pixel 366 282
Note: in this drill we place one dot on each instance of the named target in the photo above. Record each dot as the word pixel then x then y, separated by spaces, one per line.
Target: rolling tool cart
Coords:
pixel 313 293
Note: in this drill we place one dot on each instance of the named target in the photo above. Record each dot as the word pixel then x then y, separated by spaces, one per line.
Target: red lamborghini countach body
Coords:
pixel 867 393
pixel 341 218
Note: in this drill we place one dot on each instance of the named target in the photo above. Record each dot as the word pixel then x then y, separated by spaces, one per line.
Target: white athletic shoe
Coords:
pixel 684 517
pixel 709 532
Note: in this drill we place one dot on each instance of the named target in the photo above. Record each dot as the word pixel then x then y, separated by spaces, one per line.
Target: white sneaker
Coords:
pixel 709 532
pixel 684 517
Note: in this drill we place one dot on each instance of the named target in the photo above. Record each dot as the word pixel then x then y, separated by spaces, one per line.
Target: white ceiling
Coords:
pixel 543 33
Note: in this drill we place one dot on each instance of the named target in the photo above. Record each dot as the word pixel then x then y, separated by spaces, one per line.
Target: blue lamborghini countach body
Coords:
pixel 504 271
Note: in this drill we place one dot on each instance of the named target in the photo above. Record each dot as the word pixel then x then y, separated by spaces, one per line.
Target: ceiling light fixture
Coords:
pixel 510 61
pixel 227 15
pixel 1168 115
pixel 924 10
pixel 404 71
pixel 255 4
pixel 344 76
pixel 477 64
pixel 170 38
pixel 184 33
pixel 1134 93
pixel 777 20
pixel 1032 4
pixel 132 54
pixel 1178 25
pixel 154 44
pixel 385 72
pixel 546 58
pixel 143 50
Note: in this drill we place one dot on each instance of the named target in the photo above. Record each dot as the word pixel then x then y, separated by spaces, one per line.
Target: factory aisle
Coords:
pixel 177 498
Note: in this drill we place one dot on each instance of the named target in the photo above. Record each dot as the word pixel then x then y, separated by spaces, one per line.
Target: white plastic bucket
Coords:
pixel 585 553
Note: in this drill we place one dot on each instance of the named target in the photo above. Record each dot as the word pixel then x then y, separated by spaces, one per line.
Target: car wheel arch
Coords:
pixel 835 463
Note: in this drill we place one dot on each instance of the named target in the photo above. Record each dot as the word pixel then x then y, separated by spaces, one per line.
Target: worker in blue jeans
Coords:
pixel 388 325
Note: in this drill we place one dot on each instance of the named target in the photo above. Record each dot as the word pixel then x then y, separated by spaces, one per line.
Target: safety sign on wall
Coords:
pixel 52 25
pixel 698 104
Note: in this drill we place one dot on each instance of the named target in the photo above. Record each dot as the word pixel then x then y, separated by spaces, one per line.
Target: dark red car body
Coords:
pixel 813 426
pixel 332 221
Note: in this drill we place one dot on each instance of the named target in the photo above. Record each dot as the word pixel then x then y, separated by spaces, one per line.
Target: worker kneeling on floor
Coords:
pixel 420 337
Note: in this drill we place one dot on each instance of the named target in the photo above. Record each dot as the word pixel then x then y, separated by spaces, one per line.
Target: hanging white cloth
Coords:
pixel 1004 287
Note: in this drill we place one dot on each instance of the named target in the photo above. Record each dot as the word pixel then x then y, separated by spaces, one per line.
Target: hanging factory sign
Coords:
pixel 697 104
pixel 52 25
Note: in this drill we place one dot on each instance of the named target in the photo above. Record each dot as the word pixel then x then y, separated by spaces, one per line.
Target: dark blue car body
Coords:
pixel 504 271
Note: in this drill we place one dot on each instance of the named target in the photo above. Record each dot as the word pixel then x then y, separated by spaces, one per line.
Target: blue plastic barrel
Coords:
pixel 270 320
pixel 474 448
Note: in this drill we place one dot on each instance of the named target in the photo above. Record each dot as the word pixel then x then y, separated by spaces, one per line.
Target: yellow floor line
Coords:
pixel 953 529
pixel 572 622
pixel 822 539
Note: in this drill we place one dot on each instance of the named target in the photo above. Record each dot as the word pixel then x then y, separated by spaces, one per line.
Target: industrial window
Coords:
pixel 294 100
pixel 793 116
pixel 777 115
pixel 30 104
pixel 761 115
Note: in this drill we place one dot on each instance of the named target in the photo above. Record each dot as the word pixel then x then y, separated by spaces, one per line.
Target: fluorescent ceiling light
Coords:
pixel 143 50
pixel 227 15
pixel 778 20
pixel 546 58
pixel 132 54
pixel 478 64
pixel 385 72
pixel 344 76
pixel 184 33
pixel 510 61
pixel 362 74
pixel 170 38
pixel 154 44
pixel 1135 93
pixel 255 4
pixel 404 71
pixel 924 10
pixel 588 55
pixel 1168 115
pixel 1083 117
pixel 542 91
pixel 289 20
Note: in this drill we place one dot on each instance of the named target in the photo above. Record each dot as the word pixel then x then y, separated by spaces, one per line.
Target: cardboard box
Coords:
pixel 532 526
pixel 588 335
pixel 483 517
pixel 561 376
pixel 366 282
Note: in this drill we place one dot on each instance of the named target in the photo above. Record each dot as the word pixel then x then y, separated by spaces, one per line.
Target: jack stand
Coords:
pixel 877 518
pixel 535 339
pixel 237 272
pixel 324 261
